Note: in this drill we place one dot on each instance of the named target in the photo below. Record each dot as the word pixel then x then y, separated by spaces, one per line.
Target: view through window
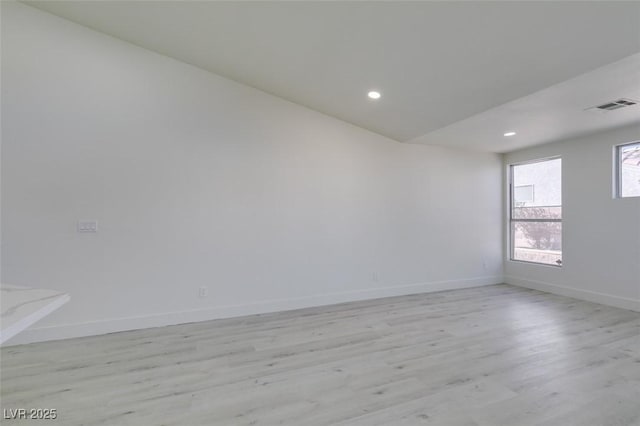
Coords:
pixel 536 212
pixel 629 170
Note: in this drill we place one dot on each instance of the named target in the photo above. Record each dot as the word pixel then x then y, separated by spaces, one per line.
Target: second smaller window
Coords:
pixel 628 167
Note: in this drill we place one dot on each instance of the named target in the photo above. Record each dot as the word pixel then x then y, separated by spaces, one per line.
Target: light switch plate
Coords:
pixel 87 226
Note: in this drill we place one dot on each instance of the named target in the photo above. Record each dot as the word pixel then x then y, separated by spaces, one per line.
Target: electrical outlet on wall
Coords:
pixel 203 292
pixel 485 263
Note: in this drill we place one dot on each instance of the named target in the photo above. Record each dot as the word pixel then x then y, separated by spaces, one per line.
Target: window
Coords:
pixel 523 193
pixel 536 215
pixel 628 167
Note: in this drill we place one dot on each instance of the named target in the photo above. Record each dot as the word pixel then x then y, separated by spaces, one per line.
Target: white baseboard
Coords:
pixel 171 318
pixel 590 296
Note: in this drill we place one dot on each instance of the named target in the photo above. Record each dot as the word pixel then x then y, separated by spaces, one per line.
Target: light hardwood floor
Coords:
pixel 496 355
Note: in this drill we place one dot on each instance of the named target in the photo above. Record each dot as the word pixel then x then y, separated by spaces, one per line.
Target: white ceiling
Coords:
pixel 557 112
pixel 452 73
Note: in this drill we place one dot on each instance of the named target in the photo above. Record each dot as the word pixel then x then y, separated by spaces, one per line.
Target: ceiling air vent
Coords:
pixel 610 106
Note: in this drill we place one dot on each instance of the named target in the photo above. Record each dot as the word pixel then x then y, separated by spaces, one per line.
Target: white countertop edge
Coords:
pixel 32 318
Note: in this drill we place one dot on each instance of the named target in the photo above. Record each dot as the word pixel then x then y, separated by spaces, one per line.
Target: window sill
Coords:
pixel 535 263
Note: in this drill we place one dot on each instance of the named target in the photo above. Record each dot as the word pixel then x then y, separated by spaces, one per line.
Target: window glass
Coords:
pixel 629 170
pixel 536 212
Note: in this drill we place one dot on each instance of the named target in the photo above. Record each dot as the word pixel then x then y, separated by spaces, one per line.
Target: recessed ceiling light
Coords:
pixel 374 95
pixel 510 133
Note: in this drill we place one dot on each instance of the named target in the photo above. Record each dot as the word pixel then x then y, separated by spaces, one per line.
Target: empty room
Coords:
pixel 309 213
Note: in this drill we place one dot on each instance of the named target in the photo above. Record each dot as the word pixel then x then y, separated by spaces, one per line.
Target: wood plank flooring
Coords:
pixel 496 355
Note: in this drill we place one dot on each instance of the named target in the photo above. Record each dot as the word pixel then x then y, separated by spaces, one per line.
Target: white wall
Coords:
pixel 601 234
pixel 199 181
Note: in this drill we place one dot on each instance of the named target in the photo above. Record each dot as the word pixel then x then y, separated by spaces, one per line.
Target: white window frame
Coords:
pixel 510 219
pixel 617 186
